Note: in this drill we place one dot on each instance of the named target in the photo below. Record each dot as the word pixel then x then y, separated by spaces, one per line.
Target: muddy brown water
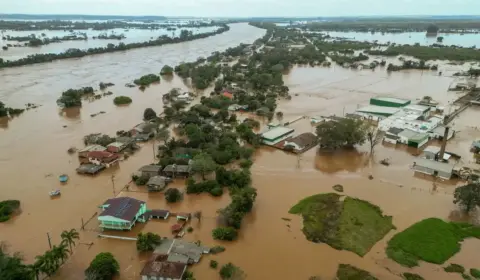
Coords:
pixel 33 153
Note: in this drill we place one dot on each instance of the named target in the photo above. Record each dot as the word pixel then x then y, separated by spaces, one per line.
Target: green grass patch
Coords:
pixel 412 276
pixel 431 240
pixel 475 273
pixel 352 224
pixel 349 272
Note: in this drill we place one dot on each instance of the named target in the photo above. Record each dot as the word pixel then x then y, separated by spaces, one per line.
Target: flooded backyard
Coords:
pixel 33 152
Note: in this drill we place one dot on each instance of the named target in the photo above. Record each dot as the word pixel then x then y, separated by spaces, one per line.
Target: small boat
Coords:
pixel 54 193
pixel 63 178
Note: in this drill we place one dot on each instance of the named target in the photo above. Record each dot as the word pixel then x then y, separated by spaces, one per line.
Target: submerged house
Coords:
pixel 412 138
pixel 121 213
pixel 434 168
pixel 150 170
pixel 102 158
pixel 143 131
pixel 391 136
pixel 158 268
pixel 276 135
pixel 116 147
pixel 157 183
pixel 83 153
pixel 301 143
pixel 389 102
pixel 175 170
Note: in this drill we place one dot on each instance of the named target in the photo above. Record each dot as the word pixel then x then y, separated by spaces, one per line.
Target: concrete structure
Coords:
pixel 275 135
pixel 391 136
pixel 432 153
pixel 122 213
pixel 378 110
pixel 389 101
pixel 439 132
pixel 116 147
pixel 422 111
pixel 181 251
pixel 435 168
pixel 150 170
pixel 409 120
pixel 412 138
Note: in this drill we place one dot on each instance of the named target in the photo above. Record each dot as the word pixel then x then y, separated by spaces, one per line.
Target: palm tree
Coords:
pixel 60 253
pixel 68 238
pixel 35 269
pixel 47 263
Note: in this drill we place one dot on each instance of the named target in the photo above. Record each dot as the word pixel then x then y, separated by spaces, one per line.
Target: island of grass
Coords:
pixel 122 100
pixel 431 240
pixel 8 208
pixel 350 224
pixel 349 272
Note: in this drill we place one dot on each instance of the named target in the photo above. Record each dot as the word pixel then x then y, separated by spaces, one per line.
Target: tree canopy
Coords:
pixel 203 164
pixel 341 133
pixel 103 267
pixel 173 195
pixel 468 196
pixel 148 241
pixel 149 114
pixel 166 70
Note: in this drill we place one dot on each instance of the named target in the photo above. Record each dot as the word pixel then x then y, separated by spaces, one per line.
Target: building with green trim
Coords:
pixel 276 135
pixel 389 102
pixel 378 110
pixel 121 213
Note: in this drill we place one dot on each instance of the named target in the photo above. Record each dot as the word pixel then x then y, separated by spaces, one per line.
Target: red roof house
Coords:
pixel 102 157
pixel 228 94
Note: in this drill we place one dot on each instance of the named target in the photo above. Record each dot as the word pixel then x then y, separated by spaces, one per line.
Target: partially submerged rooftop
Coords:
pixel 124 208
pixel 378 110
pixel 435 165
pixel 277 132
pixel 160 268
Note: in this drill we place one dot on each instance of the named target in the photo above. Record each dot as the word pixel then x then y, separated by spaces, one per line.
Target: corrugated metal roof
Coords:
pixel 372 109
pixel 391 99
pixel 435 165
pixel 277 132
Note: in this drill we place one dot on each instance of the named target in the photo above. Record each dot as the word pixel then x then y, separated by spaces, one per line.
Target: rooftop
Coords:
pixel 89 168
pixel 277 132
pixel 378 110
pixel 158 267
pixel 124 208
pixel 395 130
pixel 391 99
pixel 150 168
pixel 412 135
pixel 415 107
pixel 102 155
pixel 304 139
pixel 93 148
pixel 156 181
pixel 177 168
pixel 435 165
pixel 116 144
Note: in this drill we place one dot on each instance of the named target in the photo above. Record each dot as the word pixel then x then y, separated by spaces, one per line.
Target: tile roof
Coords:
pixel 124 208
pixel 304 139
pixel 103 156
pixel 158 267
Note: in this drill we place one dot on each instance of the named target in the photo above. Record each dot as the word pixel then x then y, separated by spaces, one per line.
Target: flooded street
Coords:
pixel 33 152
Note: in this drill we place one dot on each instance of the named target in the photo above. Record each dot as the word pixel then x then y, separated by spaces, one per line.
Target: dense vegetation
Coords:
pixel 103 267
pixel 230 271
pixel 7 111
pixel 173 195
pixel 8 208
pixel 76 53
pixel 122 100
pixel 341 133
pixel 352 224
pixel 349 272
pixel 431 240
pixel 146 80
pixel 73 97
pixel 431 52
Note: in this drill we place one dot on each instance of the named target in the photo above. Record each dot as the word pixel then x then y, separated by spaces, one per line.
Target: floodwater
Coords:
pixel 33 153
pixel 411 38
pixel 132 36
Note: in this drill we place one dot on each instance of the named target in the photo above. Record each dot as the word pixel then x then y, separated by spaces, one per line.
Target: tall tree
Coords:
pixel 68 238
pixel 203 164
pixel 341 133
pixel 103 267
pixel 374 136
pixel 468 196
pixel 60 253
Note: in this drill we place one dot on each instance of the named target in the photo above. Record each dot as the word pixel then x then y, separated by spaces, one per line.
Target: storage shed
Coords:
pixel 389 102
pixel 435 168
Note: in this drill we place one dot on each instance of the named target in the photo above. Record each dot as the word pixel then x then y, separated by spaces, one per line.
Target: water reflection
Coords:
pixel 71 113
pixel 4 122
pixel 350 160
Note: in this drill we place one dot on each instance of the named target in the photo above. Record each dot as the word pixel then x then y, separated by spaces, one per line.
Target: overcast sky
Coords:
pixel 243 8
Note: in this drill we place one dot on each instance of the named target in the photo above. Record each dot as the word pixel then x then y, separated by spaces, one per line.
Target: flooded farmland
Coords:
pixel 33 153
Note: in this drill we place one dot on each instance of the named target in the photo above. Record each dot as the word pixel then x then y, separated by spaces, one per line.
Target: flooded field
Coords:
pixel 411 38
pixel 33 152
pixel 132 36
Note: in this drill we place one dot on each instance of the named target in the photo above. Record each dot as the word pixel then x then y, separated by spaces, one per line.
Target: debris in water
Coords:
pixel 338 188
pixel 286 219
pixel 370 177
pixel 71 150
pixel 385 161
pixel 65 126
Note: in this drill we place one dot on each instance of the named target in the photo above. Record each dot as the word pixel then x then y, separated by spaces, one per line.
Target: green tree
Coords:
pixel 68 238
pixel 341 133
pixel 12 267
pixel 166 70
pixel 122 100
pixel 103 267
pixel 173 195
pixel 149 114
pixel 231 272
pixel 148 241
pixel 47 262
pixel 468 196
pixel 60 253
pixel 225 233
pixel 203 164
pixel 440 39
pixel 432 29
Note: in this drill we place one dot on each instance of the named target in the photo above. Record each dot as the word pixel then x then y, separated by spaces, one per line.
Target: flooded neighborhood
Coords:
pixel 420 143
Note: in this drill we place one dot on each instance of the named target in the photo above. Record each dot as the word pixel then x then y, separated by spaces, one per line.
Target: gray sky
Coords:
pixel 243 8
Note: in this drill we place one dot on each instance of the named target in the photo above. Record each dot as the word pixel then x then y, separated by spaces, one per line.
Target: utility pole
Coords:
pixel 112 178
pixel 49 241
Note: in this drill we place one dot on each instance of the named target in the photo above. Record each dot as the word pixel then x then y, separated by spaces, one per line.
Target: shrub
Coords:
pixel 122 100
pixel 475 273
pixel 217 249
pixel 7 208
pixel 148 241
pixel 166 70
pixel 230 271
pixel 245 163
pixel 103 267
pixel 142 180
pixel 213 264
pixel 149 114
pixel 147 80
pixel 412 276
pixel 190 229
pixel 173 195
pixel 216 191
pixel 455 268
pixel 225 233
